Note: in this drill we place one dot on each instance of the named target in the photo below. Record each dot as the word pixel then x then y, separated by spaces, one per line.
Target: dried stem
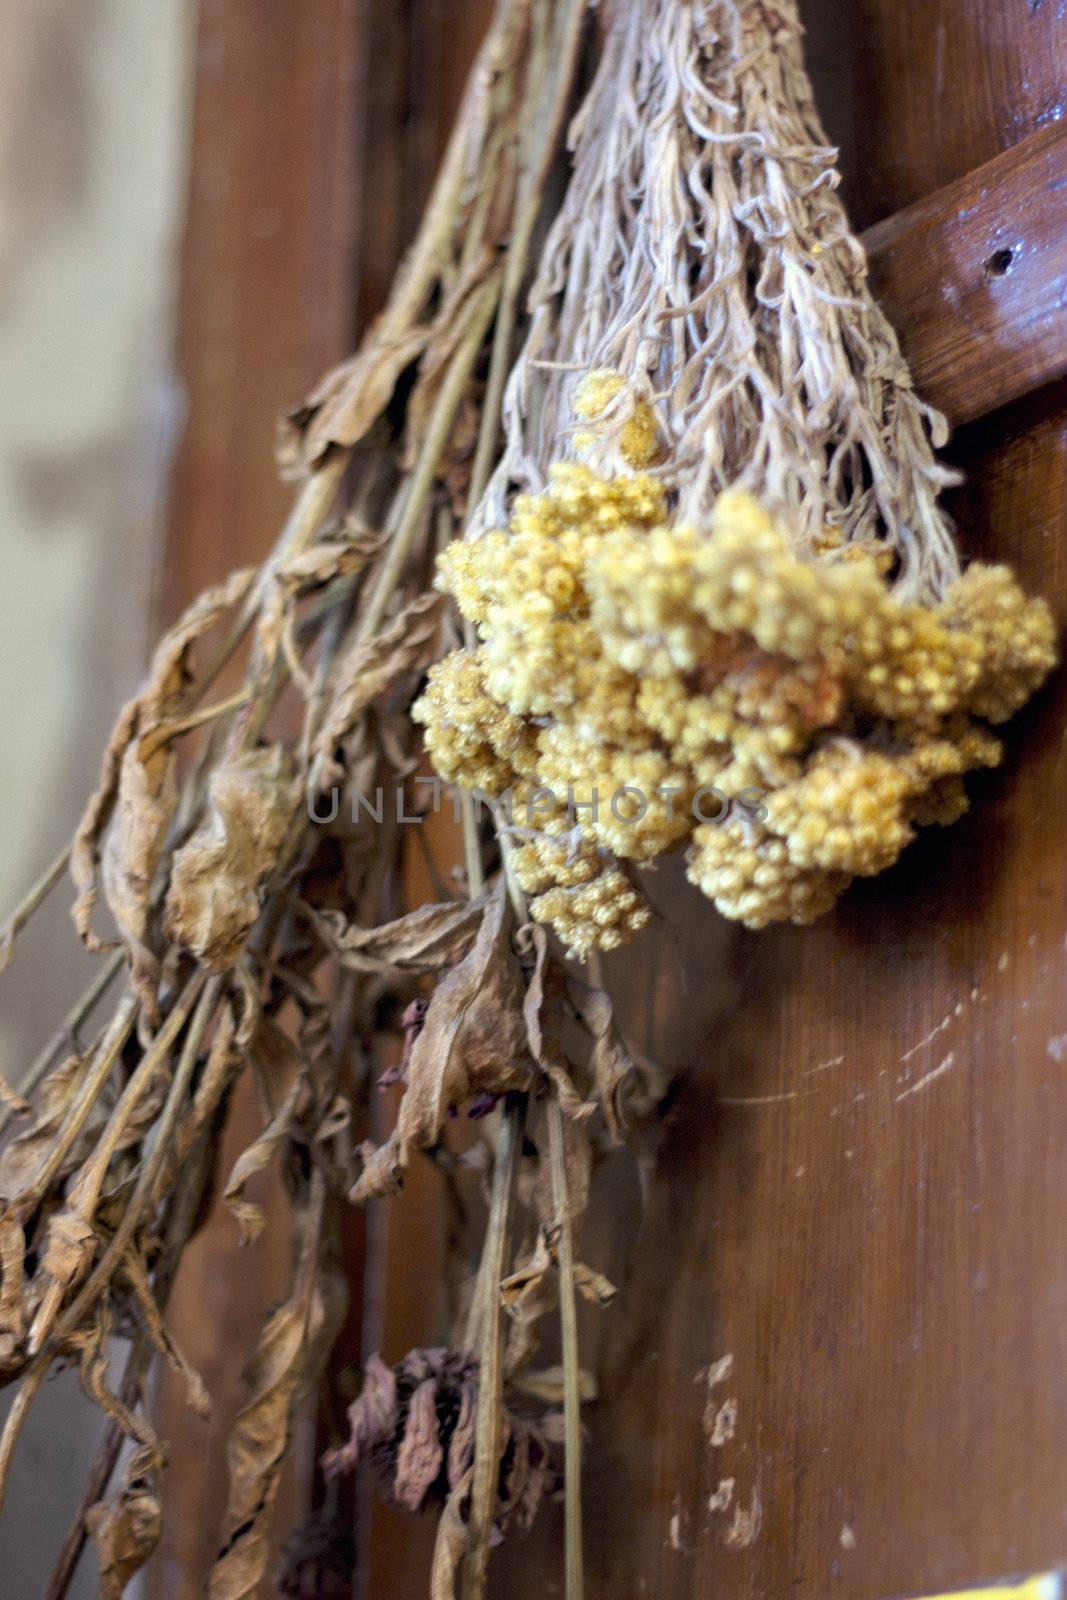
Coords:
pixel 65 1034
pixel 188 1196
pixel 149 1173
pixel 572 1417
pixel 491 1352
pixel 35 898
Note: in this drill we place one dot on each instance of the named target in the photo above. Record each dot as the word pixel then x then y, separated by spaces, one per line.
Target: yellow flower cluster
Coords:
pixel 783 714
pixel 575 887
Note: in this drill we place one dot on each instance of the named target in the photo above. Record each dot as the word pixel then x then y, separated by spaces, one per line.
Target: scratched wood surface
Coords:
pixel 975 276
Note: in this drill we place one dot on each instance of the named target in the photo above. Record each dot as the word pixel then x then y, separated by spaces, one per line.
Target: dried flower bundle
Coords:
pixel 726 573
pixel 728 612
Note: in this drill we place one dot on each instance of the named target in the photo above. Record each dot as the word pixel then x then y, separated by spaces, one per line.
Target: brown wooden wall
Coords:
pixel 838 1363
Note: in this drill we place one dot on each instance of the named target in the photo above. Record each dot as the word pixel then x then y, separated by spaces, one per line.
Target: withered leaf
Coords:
pixel 135 853
pixel 368 668
pixel 461 1444
pixel 161 1336
pixel 278 1069
pixel 16 1105
pixel 21 1160
pixel 351 396
pixel 126 1529
pixel 609 1061
pixel 540 1011
pixel 146 796
pixel 13 1310
pixel 536 1186
pixel 371 1417
pixel 91 1343
pixel 472 1042
pixel 300 574
pixel 218 876
pixel 425 940
pixel 451 325
pixel 532 1291
pixel 593 1286
pixel 547 1385
pixel 284 1363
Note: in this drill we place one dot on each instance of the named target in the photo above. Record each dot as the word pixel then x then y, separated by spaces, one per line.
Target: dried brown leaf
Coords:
pixel 137 1274
pixel 284 1363
pixel 450 326
pixel 125 1529
pixel 425 940
pixel 346 402
pixel 136 853
pixel 593 1286
pixel 15 1104
pixel 536 1176
pixel 472 1042
pixel 279 1073
pixel 21 1161
pixel 369 667
pixel 547 1384
pixel 218 876
pixel 301 574
pixel 13 1308
pixel 145 799
pixel 609 1061
pixel 545 988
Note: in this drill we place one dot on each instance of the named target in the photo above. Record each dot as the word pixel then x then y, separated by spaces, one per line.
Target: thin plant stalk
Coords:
pixel 568 1319
pixel 491 1352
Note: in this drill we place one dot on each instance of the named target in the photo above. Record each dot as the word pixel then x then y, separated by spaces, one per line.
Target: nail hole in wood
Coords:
pixel 999 263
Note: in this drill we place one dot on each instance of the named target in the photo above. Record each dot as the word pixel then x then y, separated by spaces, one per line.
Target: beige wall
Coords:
pixel 92 136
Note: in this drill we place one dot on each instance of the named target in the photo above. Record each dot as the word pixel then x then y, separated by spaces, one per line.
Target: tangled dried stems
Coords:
pixel 728 612
pixel 234 912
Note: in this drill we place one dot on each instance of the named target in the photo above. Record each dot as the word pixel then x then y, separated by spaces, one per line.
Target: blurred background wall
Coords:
pixel 93 113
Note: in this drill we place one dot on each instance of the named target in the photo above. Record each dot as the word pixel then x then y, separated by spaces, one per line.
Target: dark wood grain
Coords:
pixel 918 95
pixel 266 302
pixel 268 263
pixel 974 277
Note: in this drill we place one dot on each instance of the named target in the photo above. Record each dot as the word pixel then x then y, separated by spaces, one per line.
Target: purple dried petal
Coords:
pixel 419 1458
pixel 532 1493
pixel 371 1418
pixel 411 1026
pixel 482 1104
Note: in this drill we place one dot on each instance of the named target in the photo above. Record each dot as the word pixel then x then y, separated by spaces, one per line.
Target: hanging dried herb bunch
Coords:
pixel 727 610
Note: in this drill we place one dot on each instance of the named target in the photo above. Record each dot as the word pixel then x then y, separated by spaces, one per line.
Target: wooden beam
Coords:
pixel 974 278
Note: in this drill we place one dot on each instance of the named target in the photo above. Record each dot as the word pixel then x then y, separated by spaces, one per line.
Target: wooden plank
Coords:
pixel 974 278
pixel 920 95
pixel 266 303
